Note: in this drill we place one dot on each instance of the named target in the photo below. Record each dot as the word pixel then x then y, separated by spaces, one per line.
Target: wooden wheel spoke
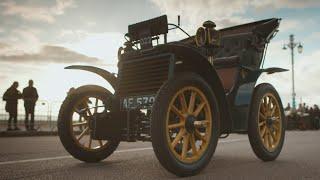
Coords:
pixel 183 102
pixel 89 112
pixel 265 139
pixel 269 104
pixel 270 140
pixel 199 108
pixel 263 131
pixel 96 106
pixel 262 123
pixel 276 127
pixel 192 102
pixel 177 125
pixel 199 136
pixel 185 147
pixel 262 108
pixel 193 144
pixel 273 110
pixel 177 111
pixel 178 138
pixel 100 143
pixel 80 123
pixel 273 136
pixel 261 115
pixel 83 133
pixel 90 141
pixel 265 103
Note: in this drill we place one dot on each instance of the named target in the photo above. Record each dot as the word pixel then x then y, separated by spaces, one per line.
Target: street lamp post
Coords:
pixel 292 45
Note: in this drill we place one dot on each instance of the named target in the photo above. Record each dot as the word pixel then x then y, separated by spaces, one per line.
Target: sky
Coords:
pixel 38 38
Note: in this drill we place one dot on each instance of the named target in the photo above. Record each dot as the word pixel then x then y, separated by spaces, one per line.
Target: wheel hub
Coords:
pixel 189 124
pixel 269 122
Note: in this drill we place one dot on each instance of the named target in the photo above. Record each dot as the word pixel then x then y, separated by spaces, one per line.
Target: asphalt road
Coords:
pixel 45 158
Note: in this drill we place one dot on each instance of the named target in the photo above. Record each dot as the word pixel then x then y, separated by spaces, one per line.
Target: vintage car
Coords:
pixel 182 96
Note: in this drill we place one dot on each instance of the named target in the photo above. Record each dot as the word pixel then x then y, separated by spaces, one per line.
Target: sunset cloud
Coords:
pixel 50 54
pixel 4 45
pixel 293 4
pixel 38 35
pixel 224 13
pixel 36 12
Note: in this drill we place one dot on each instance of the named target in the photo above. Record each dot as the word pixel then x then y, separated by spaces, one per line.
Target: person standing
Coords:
pixel 30 97
pixel 11 97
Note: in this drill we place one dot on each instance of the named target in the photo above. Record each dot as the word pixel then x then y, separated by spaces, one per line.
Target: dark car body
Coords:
pixel 231 69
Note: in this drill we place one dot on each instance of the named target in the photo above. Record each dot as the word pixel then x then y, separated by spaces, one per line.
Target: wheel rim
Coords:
pixel 269 122
pixel 83 112
pixel 188 124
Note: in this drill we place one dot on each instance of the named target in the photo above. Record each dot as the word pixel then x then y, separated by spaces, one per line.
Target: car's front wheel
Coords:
pixel 185 124
pixel 74 129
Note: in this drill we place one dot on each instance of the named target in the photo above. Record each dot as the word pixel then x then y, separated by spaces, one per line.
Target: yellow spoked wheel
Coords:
pixel 83 112
pixel 266 128
pixel 270 124
pixel 189 122
pixel 75 123
pixel 185 124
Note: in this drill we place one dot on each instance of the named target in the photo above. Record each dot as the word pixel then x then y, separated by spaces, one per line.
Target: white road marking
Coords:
pixel 34 160
pixel 119 151
pixel 232 140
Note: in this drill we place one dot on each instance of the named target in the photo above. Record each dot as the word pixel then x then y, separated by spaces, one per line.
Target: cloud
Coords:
pixel 50 54
pixel 23 39
pixel 224 13
pixel 306 78
pixel 4 45
pixel 2 77
pixel 293 4
pixel 196 12
pixel 36 13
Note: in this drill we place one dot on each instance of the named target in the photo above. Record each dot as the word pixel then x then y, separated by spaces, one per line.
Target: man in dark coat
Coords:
pixel 11 97
pixel 30 97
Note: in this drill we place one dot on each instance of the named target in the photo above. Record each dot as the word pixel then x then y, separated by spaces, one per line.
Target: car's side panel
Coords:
pixel 243 97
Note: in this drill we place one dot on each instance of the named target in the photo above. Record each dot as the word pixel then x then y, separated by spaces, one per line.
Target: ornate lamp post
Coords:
pixel 291 45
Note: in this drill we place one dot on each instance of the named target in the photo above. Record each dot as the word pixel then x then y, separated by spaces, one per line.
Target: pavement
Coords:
pixel 44 158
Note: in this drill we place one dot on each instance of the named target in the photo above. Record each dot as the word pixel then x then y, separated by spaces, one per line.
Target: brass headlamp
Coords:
pixel 207 36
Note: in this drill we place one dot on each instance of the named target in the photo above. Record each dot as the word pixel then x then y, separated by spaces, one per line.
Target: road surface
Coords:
pixel 45 158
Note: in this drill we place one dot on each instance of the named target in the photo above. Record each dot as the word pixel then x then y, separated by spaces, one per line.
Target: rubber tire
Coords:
pixel 158 125
pixel 254 137
pixel 64 133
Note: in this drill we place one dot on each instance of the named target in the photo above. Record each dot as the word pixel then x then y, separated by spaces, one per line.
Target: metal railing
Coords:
pixel 45 119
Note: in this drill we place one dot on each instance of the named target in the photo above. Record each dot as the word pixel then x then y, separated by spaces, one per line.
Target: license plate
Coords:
pixel 134 102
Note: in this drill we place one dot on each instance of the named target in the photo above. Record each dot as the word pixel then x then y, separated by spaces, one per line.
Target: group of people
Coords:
pixel 303 108
pixel 29 96
pixel 307 117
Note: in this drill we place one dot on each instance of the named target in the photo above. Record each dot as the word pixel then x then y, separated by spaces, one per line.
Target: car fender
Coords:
pixel 110 77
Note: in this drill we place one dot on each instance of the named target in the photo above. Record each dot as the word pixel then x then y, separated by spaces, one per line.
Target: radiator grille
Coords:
pixel 143 76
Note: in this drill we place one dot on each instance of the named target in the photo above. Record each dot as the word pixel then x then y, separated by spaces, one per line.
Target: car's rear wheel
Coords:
pixel 74 129
pixel 267 123
pixel 185 124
